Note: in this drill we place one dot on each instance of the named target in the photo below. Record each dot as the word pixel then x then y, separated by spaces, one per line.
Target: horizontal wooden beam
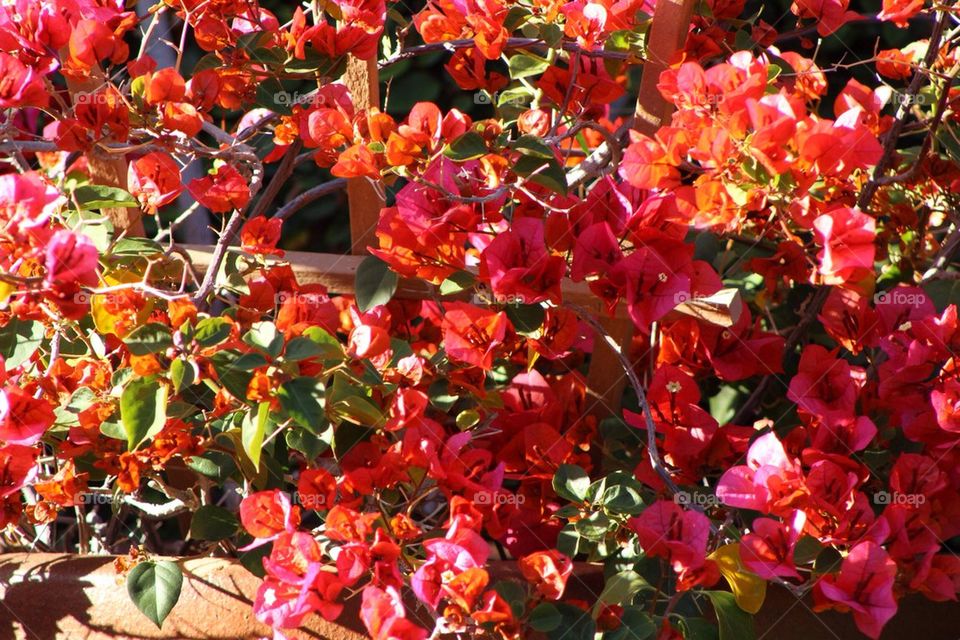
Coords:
pixel 338 273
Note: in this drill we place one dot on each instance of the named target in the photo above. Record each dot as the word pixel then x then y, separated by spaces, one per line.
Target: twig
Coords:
pixel 652 451
pixel 308 196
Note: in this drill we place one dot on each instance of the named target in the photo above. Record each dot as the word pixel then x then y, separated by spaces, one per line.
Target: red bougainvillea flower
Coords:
pixel 547 571
pixel 768 549
pixel 261 235
pixel 462 549
pixel 23 418
pixel 154 180
pixel 864 586
pixel 267 514
pixel 829 14
pixel 825 385
pixel 222 190
pixel 18 466
pixel 899 12
pixel 848 250
pixel 471 334
pixel 520 268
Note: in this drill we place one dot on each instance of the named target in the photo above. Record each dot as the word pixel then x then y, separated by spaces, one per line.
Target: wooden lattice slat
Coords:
pixel 365 200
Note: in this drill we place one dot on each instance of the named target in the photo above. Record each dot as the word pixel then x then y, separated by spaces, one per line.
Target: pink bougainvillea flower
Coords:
pixel 864 585
pixel 27 199
pixel 23 418
pixel 22 86
pixel 847 237
pixel 383 615
pixel 768 475
pixel 768 549
pixel 71 260
pixel 666 530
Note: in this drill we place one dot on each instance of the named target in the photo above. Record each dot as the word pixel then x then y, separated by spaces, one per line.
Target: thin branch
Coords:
pixel 308 196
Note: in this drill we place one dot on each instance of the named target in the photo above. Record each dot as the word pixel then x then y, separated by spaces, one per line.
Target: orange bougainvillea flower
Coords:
pixel 547 571
pixel 67 488
pixel 260 235
pixel 154 180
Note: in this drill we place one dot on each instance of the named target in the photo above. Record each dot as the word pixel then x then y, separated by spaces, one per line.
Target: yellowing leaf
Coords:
pixel 104 319
pixel 748 588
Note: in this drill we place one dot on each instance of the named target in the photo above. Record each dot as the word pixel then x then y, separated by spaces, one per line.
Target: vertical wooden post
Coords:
pixel 365 201
pixel 668 34
pixel 108 169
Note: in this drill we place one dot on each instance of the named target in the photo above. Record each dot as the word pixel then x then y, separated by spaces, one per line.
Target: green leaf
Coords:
pixel 302 400
pixel 635 624
pixel 211 522
pixel 545 172
pixel 735 623
pixel 526 318
pixel 622 587
pixel 155 588
pixel 152 337
pixel 545 617
pixel 469 146
pixel 265 337
pixel 571 482
pixel 534 147
pixel 98 196
pixel 524 65
pixel 19 340
pixel 457 281
pixel 358 410
pixel 143 410
pixel 301 348
pixel 595 526
pixel 211 331
pixel 375 283
pixel 308 443
pixel 252 431
pixel 233 377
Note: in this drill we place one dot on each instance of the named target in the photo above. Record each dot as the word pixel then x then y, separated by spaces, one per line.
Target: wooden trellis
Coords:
pixel 605 379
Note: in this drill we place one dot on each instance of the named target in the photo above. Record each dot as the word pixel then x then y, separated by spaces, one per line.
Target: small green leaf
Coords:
pixel 155 588
pixel 265 337
pixel 545 172
pixel 735 623
pixel 302 399
pixel 143 410
pixel 211 331
pixel 524 65
pixel 526 318
pixel 252 431
pixel 534 147
pixel 152 337
pixel 469 146
pixel 375 283
pixel 19 340
pixel 595 526
pixel 211 522
pixel 98 196
pixel 233 377
pixel 571 482
pixel 545 617
pixel 457 281
pixel 622 587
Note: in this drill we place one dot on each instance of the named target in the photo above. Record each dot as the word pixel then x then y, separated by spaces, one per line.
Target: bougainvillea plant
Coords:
pixel 404 450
